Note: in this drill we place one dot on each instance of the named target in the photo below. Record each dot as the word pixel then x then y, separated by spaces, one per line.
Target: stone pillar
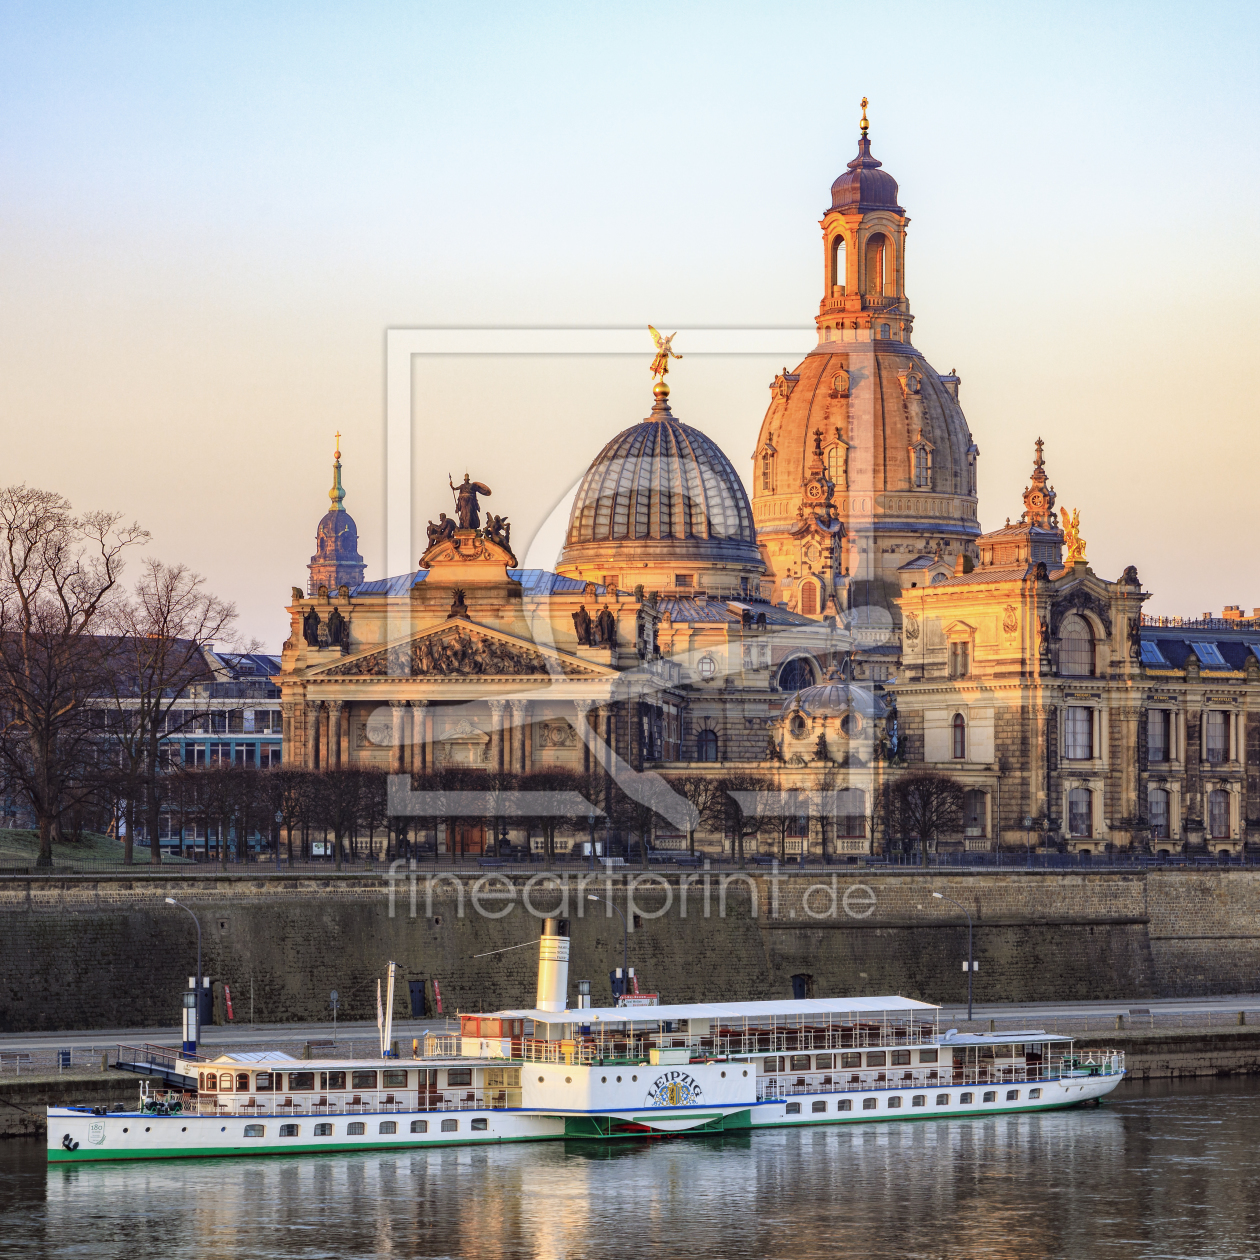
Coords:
pixel 287 733
pixel 608 714
pixel 496 734
pixel 419 761
pixel 583 728
pixel 397 737
pixel 343 735
pixel 310 712
pixel 522 744
pixel 334 734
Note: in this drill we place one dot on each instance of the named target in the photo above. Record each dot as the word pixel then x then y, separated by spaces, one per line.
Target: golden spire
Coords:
pixel 865 124
pixel 337 452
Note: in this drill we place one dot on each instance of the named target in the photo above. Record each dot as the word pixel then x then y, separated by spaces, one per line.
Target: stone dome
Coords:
pixel 336 561
pixel 658 496
pixel 865 185
pixel 833 697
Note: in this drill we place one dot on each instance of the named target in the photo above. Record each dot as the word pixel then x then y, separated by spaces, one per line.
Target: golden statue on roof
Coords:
pixel 664 352
pixel 1072 535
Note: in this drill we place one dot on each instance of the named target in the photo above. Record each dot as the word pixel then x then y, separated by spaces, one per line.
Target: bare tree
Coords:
pixel 924 807
pixel 59 575
pixel 707 800
pixel 746 796
pixel 163 634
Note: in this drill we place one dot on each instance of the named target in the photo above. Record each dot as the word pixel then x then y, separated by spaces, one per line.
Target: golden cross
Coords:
pixel 338 444
pixel 864 123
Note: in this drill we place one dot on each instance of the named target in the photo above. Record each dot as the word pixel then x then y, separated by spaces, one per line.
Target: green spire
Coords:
pixel 337 494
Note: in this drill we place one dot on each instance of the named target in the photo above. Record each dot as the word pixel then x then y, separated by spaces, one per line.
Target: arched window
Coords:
pixel 1218 814
pixel 837 473
pixel 973 812
pixel 225 1082
pixel 1076 648
pixel 838 260
pixel 242 1082
pixel 707 746
pixel 883 332
pixel 767 470
pixel 1080 812
pixel 809 599
pixel 960 737
pixel 1157 808
pixel 876 257
pixel 796 675
pixel 922 468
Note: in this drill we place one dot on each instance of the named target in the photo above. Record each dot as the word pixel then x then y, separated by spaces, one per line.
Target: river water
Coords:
pixel 1160 1170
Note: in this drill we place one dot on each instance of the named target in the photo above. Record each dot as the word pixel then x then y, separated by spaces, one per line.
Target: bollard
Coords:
pixel 415 1048
pixel 393 1045
pixel 1242 1019
pixel 1119 1022
pixel 104 1061
pixel 993 1025
pixel 306 1050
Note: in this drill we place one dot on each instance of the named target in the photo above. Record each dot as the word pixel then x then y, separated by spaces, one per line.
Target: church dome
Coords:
pixel 659 495
pixel 865 185
pixel 336 561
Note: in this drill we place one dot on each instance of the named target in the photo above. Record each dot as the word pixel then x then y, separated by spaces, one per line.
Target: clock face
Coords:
pixel 1036 500
pixel 814 491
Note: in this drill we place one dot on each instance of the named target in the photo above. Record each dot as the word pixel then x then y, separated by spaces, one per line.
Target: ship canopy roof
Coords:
pixel 797 1008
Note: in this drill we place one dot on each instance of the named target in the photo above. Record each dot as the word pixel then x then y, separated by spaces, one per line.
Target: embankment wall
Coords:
pixel 88 952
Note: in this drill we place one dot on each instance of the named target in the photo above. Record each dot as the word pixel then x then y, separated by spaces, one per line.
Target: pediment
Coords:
pixel 461 648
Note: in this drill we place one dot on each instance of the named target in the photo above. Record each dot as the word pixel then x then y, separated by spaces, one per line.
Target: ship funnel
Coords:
pixel 553 966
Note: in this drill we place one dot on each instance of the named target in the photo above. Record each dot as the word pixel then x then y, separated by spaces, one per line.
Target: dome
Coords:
pixel 661 493
pixel 336 561
pixel 835 697
pixel 865 185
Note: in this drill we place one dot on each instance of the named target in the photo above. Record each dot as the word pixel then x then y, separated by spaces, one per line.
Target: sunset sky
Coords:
pixel 212 215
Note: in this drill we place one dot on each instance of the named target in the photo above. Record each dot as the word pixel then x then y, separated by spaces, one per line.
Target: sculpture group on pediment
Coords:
pixel 467 507
pixel 454 652
pixel 498 530
pixel 444 528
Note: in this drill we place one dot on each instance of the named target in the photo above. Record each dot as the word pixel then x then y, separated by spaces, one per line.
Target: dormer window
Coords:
pixel 767 470
pixel 921 464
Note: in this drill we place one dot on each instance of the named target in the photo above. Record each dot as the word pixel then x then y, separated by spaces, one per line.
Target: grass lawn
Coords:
pixel 93 852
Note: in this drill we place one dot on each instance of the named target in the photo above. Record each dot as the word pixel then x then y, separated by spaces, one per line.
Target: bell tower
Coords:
pixel 864 251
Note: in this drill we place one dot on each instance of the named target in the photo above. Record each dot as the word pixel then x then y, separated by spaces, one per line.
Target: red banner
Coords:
pixel 437 997
pixel 227 1001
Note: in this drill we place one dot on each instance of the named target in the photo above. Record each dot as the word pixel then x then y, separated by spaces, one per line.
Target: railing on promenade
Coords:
pixel 327 1105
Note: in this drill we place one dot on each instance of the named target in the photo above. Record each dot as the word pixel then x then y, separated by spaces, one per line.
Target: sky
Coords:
pixel 210 217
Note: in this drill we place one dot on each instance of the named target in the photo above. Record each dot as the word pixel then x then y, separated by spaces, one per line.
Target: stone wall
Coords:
pixel 108 953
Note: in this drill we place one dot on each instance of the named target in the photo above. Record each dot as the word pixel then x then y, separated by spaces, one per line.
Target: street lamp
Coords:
pixel 170 901
pixel 590 823
pixel 279 820
pixel 971 966
pixel 625 943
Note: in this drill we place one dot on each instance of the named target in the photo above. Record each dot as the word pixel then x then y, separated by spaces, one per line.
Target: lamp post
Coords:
pixel 971 966
pixel 625 943
pixel 1028 822
pixel 170 901
pixel 279 820
pixel 590 823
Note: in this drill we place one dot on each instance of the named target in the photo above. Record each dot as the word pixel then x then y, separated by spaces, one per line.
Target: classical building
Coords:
pixel 850 625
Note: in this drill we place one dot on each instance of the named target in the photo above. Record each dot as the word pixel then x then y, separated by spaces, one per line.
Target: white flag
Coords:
pixel 380 1014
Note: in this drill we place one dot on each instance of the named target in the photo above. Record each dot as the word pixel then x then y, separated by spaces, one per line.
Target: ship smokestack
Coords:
pixel 553 966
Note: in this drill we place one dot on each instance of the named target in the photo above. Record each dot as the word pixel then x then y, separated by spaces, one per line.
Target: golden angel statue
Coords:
pixel 664 352
pixel 1072 535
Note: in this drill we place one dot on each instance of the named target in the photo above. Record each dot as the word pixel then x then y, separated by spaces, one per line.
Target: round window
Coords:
pixel 851 724
pixel 798 726
pixel 707 667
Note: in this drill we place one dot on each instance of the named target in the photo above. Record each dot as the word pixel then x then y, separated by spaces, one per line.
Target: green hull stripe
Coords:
pixel 57 1155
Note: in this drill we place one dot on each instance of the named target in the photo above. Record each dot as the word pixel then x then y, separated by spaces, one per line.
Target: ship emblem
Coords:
pixel 96 1132
pixel 674 1089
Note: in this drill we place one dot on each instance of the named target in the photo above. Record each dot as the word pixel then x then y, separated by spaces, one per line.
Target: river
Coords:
pixel 1160 1170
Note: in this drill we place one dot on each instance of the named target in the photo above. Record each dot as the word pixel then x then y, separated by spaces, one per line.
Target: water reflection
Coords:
pixel 1159 1172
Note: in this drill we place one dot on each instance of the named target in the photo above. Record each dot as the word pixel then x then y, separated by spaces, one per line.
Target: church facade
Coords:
pixel 846 625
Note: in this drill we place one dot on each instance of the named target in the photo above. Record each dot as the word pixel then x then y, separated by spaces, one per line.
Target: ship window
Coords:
pixel 255 1130
pixel 356 1129
pixel 301 1080
pixel 990 1095
pixel 869 1104
pixel 323 1130
pixel 794 1109
pixel 1012 1095
pixel 388 1126
pixel 850 1060
pixel 900 1058
pixel 459 1076
pixel 818 1106
pixel 450 1126
pixel 394 1078
pixel 225 1082
pixel 919 1100
pixel 419 1126
pixel 942 1100
pixel 480 1124
pixel 242 1082
pixel 1034 1093
pixel 929 1056
pixel 336 1080
pixel 895 1101
pixel 823 1062
pixel 288 1130
pixel 262 1082
pixel 845 1104
pixel 876 1058
pixel 361 1080
pixel 773 1064
pixel 800 1063
pixel 966 1098
pixel 208 1085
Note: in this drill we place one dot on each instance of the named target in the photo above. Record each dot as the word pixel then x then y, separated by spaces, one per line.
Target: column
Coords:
pixel 583 728
pixel 310 712
pixel 608 714
pixel 334 734
pixel 496 734
pixel 343 735
pixel 521 743
pixel 323 727
pixel 397 736
pixel 287 733
pixel 419 762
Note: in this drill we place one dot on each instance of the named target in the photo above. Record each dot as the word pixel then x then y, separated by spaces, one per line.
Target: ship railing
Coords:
pixel 450 1100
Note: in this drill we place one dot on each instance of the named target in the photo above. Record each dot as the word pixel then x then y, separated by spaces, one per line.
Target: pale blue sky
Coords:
pixel 209 219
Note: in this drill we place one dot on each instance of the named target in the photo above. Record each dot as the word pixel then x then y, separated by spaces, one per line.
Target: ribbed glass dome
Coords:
pixel 661 479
